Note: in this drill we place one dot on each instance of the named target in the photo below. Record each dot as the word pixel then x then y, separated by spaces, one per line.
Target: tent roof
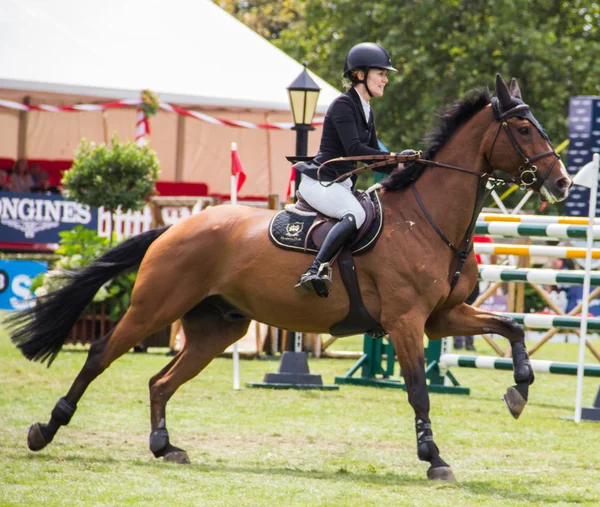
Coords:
pixel 190 52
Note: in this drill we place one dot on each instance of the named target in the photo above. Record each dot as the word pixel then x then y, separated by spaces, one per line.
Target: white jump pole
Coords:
pixel 587 177
pixel 236 352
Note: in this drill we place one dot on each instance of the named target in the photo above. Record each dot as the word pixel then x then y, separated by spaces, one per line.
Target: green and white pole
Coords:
pixel 502 363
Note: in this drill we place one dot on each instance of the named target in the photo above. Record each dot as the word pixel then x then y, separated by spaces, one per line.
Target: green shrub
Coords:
pixel 123 175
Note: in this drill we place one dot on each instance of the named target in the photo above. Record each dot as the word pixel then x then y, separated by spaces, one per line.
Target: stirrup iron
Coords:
pixel 325 266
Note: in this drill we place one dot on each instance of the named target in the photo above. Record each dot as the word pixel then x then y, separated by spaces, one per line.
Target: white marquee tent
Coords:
pixel 190 52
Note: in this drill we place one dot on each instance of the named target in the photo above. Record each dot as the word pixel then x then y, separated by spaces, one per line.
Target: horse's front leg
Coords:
pixel 467 320
pixel 408 344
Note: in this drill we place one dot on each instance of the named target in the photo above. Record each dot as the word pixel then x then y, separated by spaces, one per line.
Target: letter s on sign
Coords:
pixel 20 287
pixel 3 280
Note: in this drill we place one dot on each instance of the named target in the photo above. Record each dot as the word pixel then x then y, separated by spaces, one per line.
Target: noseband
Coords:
pixel 528 176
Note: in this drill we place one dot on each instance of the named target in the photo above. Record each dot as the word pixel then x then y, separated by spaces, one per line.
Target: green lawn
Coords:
pixel 255 447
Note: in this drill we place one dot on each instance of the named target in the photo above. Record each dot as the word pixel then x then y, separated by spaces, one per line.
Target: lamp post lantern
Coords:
pixel 304 94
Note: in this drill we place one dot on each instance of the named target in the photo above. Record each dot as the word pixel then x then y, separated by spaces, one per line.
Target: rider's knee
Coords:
pixel 359 217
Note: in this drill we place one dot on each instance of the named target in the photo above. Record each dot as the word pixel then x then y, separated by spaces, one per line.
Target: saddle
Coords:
pixel 301 228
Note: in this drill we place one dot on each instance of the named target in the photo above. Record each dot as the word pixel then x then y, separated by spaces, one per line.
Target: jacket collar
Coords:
pixel 355 97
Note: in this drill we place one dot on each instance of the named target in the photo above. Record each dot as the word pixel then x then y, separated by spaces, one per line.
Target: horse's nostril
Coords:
pixel 564 184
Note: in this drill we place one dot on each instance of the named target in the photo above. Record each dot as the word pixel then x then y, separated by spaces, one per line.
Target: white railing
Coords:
pixel 173 210
pixel 131 223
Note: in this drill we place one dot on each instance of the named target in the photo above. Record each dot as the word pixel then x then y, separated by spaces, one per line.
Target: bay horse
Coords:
pixel 217 270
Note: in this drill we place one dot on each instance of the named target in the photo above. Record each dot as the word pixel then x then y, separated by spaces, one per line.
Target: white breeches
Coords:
pixel 334 201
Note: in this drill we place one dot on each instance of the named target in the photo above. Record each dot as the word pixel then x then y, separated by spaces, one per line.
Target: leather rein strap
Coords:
pixel 528 173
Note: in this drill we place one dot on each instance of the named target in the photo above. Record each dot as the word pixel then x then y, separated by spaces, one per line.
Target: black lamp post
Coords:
pixel 293 370
pixel 304 94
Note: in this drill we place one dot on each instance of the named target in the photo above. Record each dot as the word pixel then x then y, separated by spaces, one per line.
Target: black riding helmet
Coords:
pixel 365 56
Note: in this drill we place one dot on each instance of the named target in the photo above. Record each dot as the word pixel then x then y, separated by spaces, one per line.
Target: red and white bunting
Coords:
pixel 142 127
pixel 8 104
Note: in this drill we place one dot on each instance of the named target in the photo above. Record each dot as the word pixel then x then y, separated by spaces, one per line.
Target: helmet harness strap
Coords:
pixel 364 81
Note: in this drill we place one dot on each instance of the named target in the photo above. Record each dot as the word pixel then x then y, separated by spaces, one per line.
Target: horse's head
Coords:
pixel 521 148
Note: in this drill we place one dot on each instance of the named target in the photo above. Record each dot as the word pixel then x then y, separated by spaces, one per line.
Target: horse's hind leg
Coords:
pixel 467 320
pixel 134 327
pixel 207 333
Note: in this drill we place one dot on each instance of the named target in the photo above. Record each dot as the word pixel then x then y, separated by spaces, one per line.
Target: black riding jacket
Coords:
pixel 346 133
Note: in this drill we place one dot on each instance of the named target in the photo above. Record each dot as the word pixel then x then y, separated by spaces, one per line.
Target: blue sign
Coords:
pixel 38 218
pixel 574 297
pixel 15 280
pixel 584 141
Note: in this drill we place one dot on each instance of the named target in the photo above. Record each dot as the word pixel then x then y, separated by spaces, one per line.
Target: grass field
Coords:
pixel 255 447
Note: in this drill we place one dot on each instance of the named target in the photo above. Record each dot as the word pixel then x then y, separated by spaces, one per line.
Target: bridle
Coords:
pixel 528 175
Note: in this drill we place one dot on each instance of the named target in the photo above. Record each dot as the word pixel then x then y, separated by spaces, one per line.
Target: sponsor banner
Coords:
pixel 584 141
pixel 38 218
pixel 15 280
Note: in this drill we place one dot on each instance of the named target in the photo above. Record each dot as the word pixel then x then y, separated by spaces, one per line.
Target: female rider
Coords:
pixel 348 130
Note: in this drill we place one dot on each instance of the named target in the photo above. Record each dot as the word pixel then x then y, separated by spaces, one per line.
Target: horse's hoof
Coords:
pixel 441 474
pixel 514 402
pixel 35 438
pixel 180 457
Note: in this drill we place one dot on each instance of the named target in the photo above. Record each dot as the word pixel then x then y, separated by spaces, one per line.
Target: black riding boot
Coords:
pixel 318 277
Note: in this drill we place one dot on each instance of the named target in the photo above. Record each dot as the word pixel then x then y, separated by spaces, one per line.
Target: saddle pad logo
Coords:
pixel 294 229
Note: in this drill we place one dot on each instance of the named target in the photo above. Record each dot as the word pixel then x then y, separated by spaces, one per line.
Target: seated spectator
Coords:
pixel 34 172
pixel 20 181
pixel 44 187
pixel 4 181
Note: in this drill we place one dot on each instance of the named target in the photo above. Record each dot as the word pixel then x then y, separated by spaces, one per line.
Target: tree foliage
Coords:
pixel 267 18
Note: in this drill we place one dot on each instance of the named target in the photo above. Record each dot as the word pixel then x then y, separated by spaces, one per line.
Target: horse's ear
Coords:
pixel 502 92
pixel 515 91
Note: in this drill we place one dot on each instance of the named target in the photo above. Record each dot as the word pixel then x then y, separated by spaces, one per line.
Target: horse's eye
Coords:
pixel 523 130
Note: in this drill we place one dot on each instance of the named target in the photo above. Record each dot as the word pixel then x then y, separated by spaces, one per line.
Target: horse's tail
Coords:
pixel 41 331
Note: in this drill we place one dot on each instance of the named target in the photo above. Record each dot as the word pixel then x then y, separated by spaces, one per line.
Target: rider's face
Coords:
pixel 376 81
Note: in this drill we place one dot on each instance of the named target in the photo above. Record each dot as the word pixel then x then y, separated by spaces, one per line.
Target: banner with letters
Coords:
pixel 584 141
pixel 16 277
pixel 38 218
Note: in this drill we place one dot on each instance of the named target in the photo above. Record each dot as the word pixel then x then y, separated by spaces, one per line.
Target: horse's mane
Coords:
pixel 449 121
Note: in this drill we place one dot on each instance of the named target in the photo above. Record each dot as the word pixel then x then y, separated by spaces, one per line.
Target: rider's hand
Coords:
pixel 408 153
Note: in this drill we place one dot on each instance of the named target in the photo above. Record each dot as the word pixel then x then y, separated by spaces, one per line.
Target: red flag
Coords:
pixel 236 167
pixel 291 183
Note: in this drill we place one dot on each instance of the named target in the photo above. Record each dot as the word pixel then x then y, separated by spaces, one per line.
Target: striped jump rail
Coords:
pixel 497 363
pixel 540 276
pixel 535 219
pixel 544 321
pixel 554 231
pixel 560 252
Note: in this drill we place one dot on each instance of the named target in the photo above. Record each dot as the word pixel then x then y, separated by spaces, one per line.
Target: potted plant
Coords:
pixel 122 175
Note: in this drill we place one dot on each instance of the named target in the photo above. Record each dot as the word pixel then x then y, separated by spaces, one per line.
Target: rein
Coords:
pixel 387 159
pixel 528 176
pixel 528 173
